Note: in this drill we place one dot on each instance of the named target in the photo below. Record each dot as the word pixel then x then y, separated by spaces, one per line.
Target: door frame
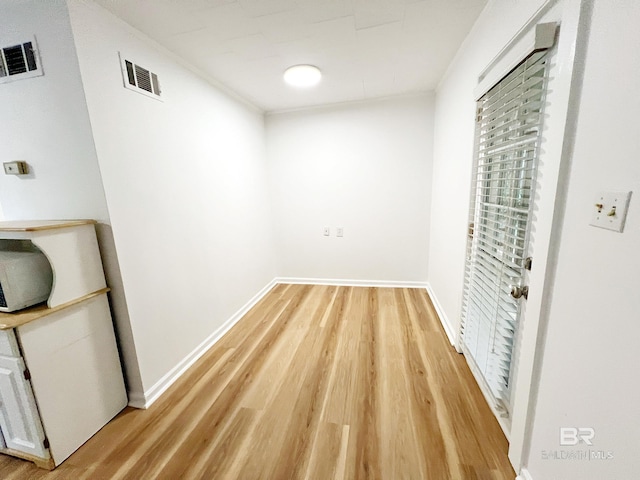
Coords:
pixel 559 134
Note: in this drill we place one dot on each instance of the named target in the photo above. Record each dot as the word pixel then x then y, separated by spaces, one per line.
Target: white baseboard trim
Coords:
pixel 145 400
pixel 444 320
pixel 524 475
pixel 350 283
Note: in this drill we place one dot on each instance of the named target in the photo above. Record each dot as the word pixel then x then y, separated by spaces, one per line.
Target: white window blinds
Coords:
pixel 508 130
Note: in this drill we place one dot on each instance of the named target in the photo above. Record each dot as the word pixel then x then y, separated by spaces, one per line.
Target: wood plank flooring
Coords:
pixel 315 382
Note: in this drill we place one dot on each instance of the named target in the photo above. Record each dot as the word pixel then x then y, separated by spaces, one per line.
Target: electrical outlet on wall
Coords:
pixel 339 231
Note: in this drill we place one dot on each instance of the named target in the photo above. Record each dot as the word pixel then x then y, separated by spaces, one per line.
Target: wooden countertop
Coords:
pixel 16 319
pixel 38 225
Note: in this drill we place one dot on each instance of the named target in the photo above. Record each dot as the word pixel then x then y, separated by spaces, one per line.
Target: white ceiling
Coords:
pixel 365 48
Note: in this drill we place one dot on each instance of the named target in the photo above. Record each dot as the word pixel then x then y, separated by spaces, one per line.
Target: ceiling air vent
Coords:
pixel 19 61
pixel 139 79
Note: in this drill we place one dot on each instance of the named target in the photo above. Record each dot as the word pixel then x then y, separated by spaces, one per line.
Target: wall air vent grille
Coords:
pixel 19 61
pixel 139 79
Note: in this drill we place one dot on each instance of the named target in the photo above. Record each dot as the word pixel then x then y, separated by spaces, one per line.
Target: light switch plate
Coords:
pixel 339 231
pixel 610 210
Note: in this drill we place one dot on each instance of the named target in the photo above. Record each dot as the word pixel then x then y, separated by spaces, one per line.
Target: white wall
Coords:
pixel 588 376
pixel 185 182
pixel 46 124
pixel 364 167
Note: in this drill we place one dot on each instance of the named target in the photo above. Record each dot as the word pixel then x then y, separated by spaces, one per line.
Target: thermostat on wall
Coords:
pixel 16 168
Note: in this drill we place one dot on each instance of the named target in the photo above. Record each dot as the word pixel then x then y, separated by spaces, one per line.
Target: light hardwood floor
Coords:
pixel 315 382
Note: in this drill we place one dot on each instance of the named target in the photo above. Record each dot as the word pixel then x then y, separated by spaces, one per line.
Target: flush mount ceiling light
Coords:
pixel 302 76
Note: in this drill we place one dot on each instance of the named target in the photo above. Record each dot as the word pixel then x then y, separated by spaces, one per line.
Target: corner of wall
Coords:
pixel 442 316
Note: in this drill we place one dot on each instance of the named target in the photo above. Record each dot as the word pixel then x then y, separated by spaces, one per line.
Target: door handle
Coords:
pixel 517 291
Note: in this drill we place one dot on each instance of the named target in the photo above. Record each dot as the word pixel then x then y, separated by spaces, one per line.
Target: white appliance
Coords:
pixel 26 278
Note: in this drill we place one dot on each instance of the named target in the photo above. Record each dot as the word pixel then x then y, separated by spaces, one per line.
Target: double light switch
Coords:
pixel 610 210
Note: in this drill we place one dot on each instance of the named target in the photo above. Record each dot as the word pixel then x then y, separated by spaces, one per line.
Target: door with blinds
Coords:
pixel 507 143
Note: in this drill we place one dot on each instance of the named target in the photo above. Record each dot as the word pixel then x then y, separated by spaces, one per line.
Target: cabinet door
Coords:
pixel 19 419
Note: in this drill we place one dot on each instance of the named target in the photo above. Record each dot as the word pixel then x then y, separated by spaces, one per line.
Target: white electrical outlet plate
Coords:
pixel 610 210
pixel 339 232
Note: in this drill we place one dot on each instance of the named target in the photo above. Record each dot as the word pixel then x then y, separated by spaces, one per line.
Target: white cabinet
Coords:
pixel 19 419
pixel 60 373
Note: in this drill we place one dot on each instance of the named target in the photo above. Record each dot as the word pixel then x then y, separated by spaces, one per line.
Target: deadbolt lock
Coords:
pixel 527 263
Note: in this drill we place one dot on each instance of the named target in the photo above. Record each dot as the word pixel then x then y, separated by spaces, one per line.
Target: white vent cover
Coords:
pixel 19 61
pixel 139 79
